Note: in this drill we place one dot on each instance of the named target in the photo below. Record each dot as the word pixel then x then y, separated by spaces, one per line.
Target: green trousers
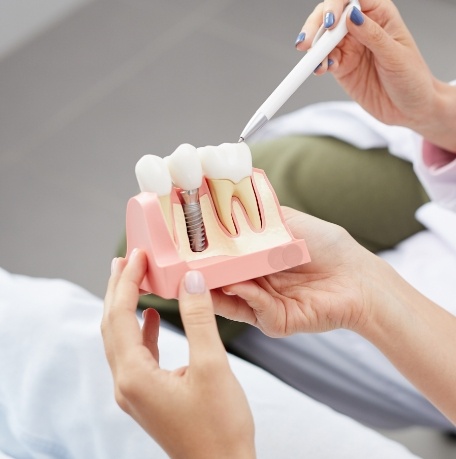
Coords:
pixel 370 193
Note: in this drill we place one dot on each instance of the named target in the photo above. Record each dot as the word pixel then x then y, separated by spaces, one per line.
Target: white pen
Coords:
pixel 325 41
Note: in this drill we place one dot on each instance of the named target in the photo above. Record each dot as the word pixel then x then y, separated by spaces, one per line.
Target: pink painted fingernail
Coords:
pixel 194 282
pixel 114 264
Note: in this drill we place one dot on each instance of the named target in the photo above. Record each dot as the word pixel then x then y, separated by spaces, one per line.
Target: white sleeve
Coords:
pixel 436 170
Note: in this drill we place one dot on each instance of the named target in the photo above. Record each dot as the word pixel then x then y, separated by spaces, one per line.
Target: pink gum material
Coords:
pixel 147 230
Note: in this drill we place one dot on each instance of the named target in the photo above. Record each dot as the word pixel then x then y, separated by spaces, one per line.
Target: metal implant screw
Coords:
pixel 194 220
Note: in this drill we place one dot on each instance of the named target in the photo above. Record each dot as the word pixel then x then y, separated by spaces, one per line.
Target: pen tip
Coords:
pixel 241 139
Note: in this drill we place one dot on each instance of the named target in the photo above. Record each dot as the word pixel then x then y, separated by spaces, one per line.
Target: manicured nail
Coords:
pixel 133 254
pixel 300 39
pixel 114 264
pixel 194 282
pixel 356 16
pixel 330 62
pixel 329 20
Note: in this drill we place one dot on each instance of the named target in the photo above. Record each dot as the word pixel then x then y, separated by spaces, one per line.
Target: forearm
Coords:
pixel 439 123
pixel 416 335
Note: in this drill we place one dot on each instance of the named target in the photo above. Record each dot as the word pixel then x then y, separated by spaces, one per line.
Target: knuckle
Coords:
pixel 103 326
pixel 377 34
pixel 125 391
pixel 198 315
pixel 121 401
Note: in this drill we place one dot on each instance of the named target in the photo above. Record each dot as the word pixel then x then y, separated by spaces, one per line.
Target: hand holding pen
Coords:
pixel 379 65
pixel 324 42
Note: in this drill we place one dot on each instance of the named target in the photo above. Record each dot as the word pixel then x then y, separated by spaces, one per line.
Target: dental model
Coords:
pixel 186 173
pixel 243 235
pixel 228 170
pixel 153 176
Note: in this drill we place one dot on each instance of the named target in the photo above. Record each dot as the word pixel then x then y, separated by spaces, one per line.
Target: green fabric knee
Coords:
pixel 370 193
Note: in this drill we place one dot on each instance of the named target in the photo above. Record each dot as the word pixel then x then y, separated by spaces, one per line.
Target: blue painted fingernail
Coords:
pixel 330 62
pixel 356 16
pixel 300 39
pixel 329 20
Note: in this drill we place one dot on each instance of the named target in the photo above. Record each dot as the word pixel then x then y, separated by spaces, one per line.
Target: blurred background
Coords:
pixel 89 86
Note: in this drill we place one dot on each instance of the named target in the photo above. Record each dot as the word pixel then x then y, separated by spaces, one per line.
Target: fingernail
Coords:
pixel 300 39
pixel 329 20
pixel 228 293
pixel 194 282
pixel 133 254
pixel 330 62
pixel 144 314
pixel 356 16
pixel 317 67
pixel 113 264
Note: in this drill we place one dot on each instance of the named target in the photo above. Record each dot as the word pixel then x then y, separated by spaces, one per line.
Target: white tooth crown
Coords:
pixel 232 161
pixel 153 175
pixel 185 167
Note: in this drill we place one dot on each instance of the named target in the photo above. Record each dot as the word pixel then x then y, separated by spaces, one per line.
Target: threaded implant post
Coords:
pixel 194 220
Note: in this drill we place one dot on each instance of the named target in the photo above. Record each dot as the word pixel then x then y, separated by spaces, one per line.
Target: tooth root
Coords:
pixel 166 206
pixel 222 192
pixel 246 194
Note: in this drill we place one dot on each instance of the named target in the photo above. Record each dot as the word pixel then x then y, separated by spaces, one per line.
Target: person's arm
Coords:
pixel 415 334
pixel 199 411
pixel 380 67
pixel 345 286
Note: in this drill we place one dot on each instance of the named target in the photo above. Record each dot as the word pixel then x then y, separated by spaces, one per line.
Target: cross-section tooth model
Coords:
pixel 228 170
pixel 209 222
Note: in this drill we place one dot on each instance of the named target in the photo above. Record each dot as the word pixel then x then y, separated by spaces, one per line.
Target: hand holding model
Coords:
pixel 322 295
pixel 380 67
pixel 345 286
pixel 197 411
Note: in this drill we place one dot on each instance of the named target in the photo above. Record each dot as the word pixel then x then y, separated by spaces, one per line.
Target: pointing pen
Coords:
pixel 325 41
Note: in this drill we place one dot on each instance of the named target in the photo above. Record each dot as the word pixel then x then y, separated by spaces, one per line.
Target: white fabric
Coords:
pixel 56 395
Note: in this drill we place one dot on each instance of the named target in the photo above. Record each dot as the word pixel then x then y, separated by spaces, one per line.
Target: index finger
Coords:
pixel 120 327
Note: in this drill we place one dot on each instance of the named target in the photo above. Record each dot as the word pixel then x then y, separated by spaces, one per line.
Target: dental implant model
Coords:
pixel 186 173
pixel 208 209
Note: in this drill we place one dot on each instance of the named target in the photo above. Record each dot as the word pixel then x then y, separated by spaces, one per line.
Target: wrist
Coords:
pixel 438 124
pixel 385 294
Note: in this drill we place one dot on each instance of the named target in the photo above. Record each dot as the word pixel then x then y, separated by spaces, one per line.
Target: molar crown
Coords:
pixel 232 161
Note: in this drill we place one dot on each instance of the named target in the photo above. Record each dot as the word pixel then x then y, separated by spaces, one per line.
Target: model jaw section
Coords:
pixel 228 171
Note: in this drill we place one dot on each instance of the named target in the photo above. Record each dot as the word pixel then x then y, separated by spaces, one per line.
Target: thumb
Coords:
pixel 197 313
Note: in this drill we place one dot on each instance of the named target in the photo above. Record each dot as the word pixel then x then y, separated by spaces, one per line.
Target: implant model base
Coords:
pixel 227 259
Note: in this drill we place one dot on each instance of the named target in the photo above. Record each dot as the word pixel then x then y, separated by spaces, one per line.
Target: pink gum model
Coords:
pixel 147 230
